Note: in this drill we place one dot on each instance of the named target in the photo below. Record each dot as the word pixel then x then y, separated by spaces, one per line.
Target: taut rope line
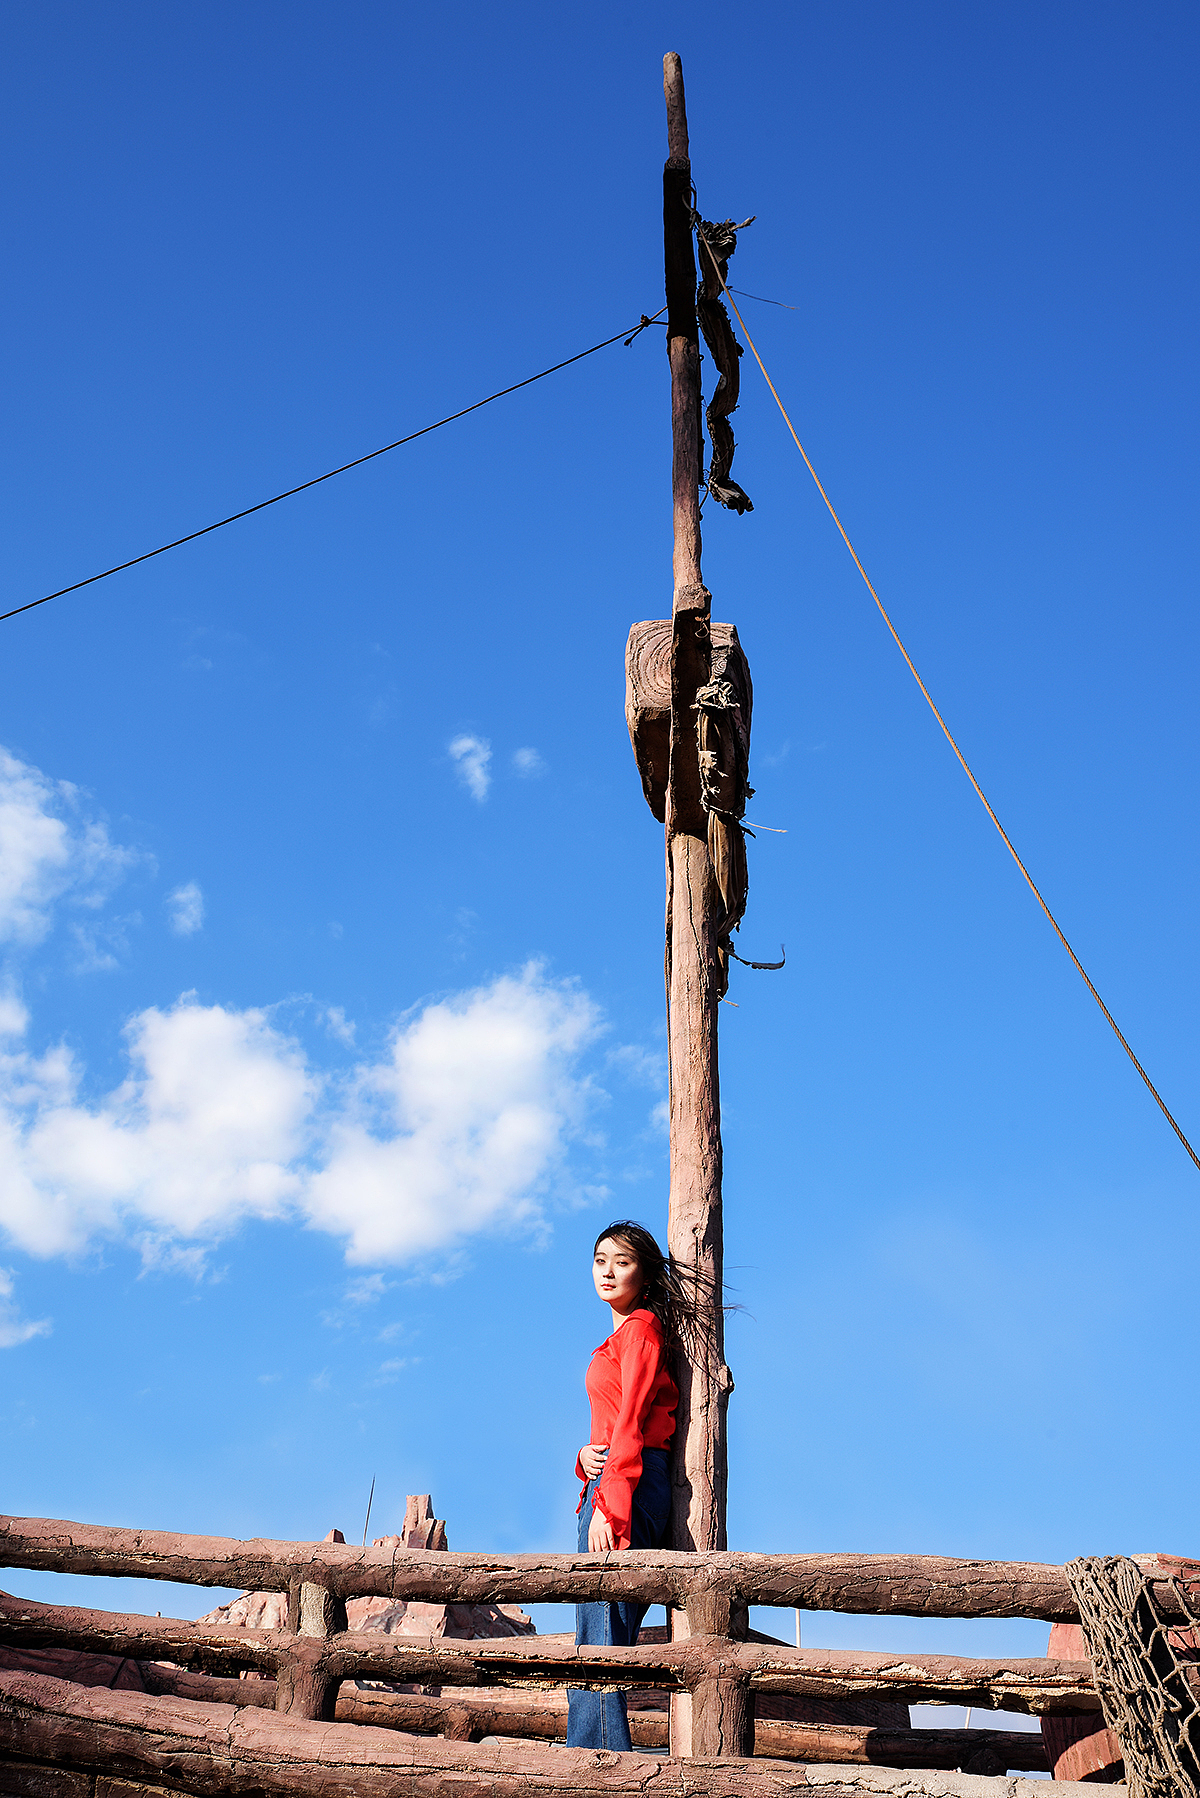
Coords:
pixel 343 468
pixel 1032 884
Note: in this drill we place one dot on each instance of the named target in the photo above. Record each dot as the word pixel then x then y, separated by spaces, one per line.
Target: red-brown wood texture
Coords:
pixel 1079 1747
pixel 59 1740
pixel 470 1715
pixel 648 696
pixel 871 1584
pixel 694 1206
pixel 309 1665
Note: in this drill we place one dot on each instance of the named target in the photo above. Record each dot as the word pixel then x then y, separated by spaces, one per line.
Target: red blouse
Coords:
pixel 633 1400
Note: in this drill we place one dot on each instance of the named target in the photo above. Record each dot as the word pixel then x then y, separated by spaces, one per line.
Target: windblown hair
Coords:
pixel 680 1298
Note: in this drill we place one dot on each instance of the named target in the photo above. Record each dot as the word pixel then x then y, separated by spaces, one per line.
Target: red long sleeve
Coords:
pixel 633 1407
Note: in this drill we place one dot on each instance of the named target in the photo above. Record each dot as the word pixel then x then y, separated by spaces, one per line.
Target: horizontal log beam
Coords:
pixel 908 1585
pixel 464 1714
pixel 218 1650
pixel 1034 1686
pixel 540 1716
pixel 846 1744
pixel 544 1717
pixel 469 1714
pixel 217 1751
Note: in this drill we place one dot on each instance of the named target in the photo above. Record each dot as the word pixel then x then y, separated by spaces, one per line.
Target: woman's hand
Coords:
pixel 600 1533
pixel 591 1459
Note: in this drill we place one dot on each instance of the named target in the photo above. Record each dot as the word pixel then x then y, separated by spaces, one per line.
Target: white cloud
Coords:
pixel 49 850
pixel 186 909
pixel 14 1019
pixel 472 755
pixel 459 1128
pixel 367 1290
pixel 338 1025
pixel 646 1067
pixel 461 1125
pixel 14 1330
pixel 202 1133
pixel 528 762
pixel 390 1371
pixel 101 942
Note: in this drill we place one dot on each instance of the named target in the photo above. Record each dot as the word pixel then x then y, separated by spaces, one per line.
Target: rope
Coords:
pixel 761 298
pixel 317 479
pixel 1140 1665
pixel 1154 1092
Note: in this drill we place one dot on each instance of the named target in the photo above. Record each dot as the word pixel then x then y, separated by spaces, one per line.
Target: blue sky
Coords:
pixel 329 1049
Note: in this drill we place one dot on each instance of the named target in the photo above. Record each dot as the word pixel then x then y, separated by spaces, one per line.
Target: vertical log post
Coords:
pixel 693 904
pixel 321 1614
pixel 304 1686
pixel 699 1464
pixel 722 1717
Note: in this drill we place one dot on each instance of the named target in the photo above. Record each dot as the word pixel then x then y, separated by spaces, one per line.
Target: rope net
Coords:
pixel 1145 1672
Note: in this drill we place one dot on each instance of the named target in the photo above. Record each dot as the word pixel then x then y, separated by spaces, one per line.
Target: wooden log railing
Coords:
pixel 465 1714
pixel 917 1585
pixel 869 1584
pixel 63 1740
pixel 722 1664
pixel 319 1665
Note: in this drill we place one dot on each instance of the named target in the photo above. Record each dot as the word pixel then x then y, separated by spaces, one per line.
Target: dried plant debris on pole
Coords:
pixel 719 242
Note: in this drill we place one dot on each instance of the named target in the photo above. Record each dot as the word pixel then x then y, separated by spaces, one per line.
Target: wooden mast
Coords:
pixel 710 1722
pixel 693 902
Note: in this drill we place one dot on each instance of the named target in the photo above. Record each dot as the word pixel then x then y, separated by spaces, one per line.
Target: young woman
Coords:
pixel 626 1499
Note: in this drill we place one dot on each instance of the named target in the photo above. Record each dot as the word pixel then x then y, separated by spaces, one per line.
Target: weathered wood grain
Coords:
pixel 722 1719
pixel 1079 1747
pixel 905 1585
pixel 60 1731
pixel 469 1714
pixel 971 1750
pixel 694 1239
pixel 699 1462
pixel 683 335
pixel 648 696
pixel 305 1664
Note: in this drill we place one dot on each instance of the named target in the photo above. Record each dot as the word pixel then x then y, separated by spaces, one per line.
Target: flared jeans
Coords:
pixel 599 1719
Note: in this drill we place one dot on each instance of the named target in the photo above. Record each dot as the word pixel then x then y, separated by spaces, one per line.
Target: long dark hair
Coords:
pixel 681 1299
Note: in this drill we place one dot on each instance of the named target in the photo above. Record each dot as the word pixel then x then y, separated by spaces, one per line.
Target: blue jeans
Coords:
pixel 598 1719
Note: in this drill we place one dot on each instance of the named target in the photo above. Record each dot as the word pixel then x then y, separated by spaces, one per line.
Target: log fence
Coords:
pixel 516 1686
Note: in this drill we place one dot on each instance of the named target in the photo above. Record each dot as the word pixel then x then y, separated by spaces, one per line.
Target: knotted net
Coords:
pixel 1145 1671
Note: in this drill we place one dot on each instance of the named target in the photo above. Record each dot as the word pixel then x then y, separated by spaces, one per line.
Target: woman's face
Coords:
pixel 617 1273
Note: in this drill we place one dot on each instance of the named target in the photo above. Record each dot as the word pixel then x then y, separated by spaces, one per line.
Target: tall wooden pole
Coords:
pixel 705 1724
pixel 693 902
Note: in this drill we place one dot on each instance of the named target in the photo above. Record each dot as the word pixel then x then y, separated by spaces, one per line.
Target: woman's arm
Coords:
pixel 600 1533
pixel 639 1352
